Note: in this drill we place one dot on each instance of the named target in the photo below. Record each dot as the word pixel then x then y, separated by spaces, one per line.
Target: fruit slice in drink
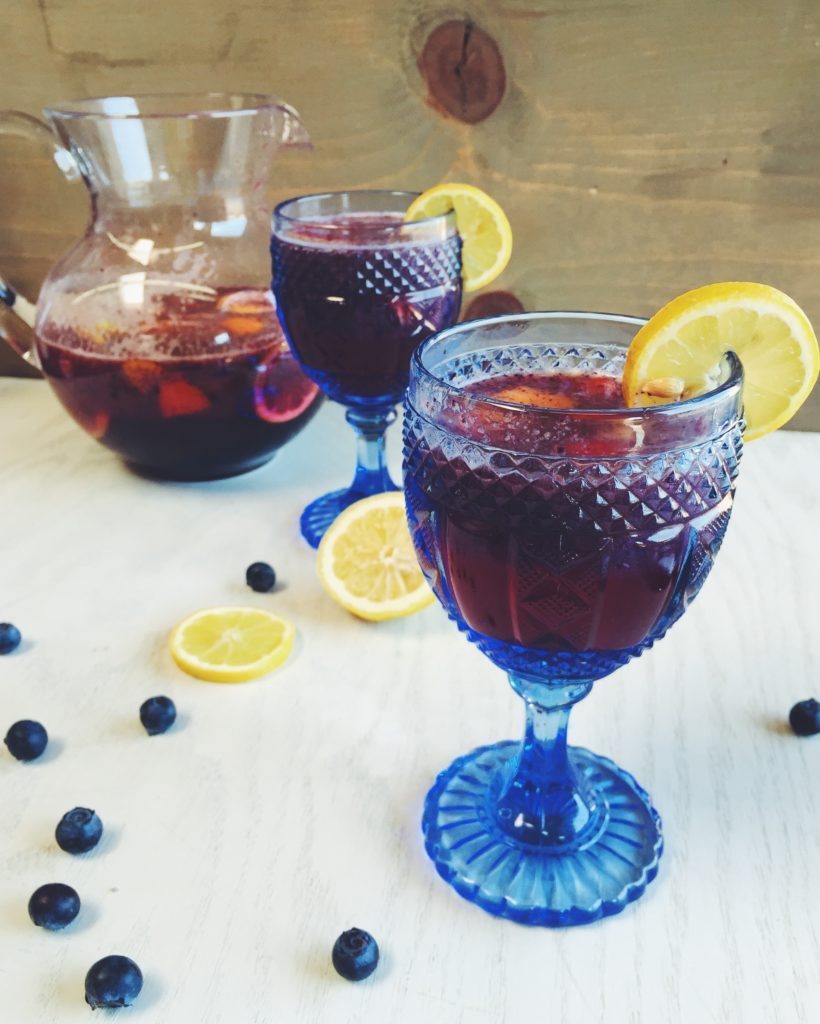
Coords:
pixel 485 231
pixel 281 391
pixel 678 353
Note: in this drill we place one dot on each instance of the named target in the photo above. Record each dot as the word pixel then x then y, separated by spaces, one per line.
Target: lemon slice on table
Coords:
pixel 367 562
pixel 231 645
pixel 677 354
pixel 485 231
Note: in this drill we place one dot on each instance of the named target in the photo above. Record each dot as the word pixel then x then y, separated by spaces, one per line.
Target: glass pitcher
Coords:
pixel 158 330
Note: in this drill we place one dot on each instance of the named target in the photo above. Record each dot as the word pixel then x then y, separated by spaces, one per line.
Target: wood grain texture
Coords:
pixel 641 147
pixel 278 813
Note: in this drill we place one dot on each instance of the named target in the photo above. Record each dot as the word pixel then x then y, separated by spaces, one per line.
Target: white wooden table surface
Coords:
pixel 278 813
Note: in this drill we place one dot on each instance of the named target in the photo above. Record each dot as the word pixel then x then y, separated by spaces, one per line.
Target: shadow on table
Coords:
pixel 772 724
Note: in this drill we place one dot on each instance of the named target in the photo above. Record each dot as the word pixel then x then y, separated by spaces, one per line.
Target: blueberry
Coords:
pixel 79 830
pixel 804 717
pixel 113 981
pixel 355 954
pixel 26 740
pixel 158 714
pixel 260 577
pixel 9 638
pixel 53 906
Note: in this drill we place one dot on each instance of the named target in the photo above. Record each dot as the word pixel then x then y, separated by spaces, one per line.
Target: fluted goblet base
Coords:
pixel 595 875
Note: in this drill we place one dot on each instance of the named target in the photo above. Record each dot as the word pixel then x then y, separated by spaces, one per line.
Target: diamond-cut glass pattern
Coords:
pixel 563 566
pixel 354 314
pixel 399 270
pixel 607 360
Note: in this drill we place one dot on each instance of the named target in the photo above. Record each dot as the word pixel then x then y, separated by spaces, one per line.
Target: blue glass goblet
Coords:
pixel 357 289
pixel 564 542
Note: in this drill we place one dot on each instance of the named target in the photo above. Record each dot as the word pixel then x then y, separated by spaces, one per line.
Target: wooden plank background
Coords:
pixel 641 147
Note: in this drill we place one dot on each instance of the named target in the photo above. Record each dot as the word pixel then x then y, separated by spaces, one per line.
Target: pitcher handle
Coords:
pixel 16 122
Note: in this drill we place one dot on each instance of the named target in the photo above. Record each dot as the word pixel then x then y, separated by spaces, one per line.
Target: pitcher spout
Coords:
pixel 290 128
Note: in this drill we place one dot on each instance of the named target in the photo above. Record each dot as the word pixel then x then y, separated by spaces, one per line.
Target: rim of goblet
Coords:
pixel 734 377
pixel 211 105
pixel 448 217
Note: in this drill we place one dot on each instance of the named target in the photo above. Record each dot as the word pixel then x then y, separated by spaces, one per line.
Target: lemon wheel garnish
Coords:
pixel 677 354
pixel 231 645
pixel 484 228
pixel 367 562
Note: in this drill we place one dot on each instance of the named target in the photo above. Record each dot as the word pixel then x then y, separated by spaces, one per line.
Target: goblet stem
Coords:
pixel 372 476
pixel 545 802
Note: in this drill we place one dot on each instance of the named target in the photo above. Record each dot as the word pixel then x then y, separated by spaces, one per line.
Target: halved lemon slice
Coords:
pixel 677 354
pixel 484 228
pixel 367 562
pixel 231 645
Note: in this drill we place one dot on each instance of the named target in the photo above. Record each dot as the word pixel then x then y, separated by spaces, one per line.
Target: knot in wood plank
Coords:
pixel 464 71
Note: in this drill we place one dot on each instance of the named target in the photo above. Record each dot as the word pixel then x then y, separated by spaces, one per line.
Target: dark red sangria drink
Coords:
pixel 358 287
pixel 206 387
pixel 553 520
pixel 587 550
pixel 529 566
pixel 355 310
